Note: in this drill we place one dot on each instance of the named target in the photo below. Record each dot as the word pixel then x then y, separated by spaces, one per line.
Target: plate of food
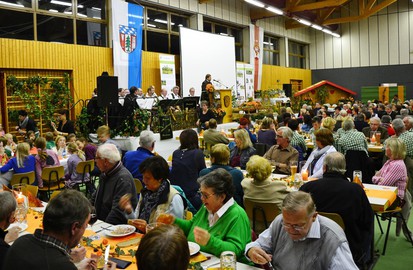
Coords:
pixel 120 230
pixel 21 226
pixel 194 248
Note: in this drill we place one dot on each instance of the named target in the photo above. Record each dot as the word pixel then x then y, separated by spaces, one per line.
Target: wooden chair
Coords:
pixel 83 168
pixel 388 215
pixel 261 212
pixel 52 179
pixel 22 178
pixel 335 217
pixel 33 190
pixel 261 148
pixel 138 185
pixel 54 194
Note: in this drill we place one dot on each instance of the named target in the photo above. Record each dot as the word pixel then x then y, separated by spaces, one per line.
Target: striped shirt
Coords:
pixel 298 140
pixel 407 138
pixel 352 140
pixel 394 174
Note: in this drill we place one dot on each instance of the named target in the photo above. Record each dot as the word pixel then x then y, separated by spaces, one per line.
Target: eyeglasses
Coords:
pixel 97 158
pixel 294 227
pixel 279 136
pixel 204 195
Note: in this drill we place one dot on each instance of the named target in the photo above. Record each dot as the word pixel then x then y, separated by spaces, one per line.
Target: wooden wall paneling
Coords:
pixel 210 9
pixel 312 50
pixel 364 43
pixel 163 2
pixel 202 8
pixel 404 35
pixel 184 4
pixel 174 3
pixel 320 50
pixel 338 57
pixel 218 10
pixel 355 44
pixel 383 40
pixel 193 5
pixel 225 9
pixel 328 51
pixel 270 75
pixel 345 49
pixel 373 41
pixel 239 9
pixel 232 11
pixel 394 48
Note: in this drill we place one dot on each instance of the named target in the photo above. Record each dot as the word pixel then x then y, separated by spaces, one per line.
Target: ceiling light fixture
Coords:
pixel 11 4
pixel 276 10
pixel 305 22
pixel 255 3
pixel 317 27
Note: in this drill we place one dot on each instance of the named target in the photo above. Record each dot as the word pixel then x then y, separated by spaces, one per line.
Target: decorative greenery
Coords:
pixel 322 94
pixel 40 96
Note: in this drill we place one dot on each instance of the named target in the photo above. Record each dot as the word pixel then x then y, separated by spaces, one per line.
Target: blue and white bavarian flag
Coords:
pixel 127 23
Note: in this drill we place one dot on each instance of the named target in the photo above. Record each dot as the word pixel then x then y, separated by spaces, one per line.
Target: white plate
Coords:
pixel 120 230
pixel 194 248
pixel 22 226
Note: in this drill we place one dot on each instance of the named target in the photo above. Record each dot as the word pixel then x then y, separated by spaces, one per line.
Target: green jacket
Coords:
pixel 230 233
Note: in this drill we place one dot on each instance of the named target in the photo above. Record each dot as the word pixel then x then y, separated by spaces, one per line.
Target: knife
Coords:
pixel 107 254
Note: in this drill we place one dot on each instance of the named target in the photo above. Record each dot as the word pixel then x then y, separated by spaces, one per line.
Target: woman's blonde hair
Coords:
pixel 22 152
pixel 397 148
pixel 329 123
pixel 57 141
pixel 259 168
pixel 72 148
pixel 244 137
pixel 220 154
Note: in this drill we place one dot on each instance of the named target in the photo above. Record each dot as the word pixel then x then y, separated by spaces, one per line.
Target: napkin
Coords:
pixel 198 258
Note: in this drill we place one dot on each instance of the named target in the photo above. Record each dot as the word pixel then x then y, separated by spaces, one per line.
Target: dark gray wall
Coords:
pixel 355 78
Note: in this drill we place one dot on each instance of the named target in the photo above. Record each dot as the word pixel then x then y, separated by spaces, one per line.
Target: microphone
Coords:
pixel 215 80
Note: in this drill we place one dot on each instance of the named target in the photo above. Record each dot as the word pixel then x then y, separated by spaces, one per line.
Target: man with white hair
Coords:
pixel 164 94
pixel 114 182
pixel 375 127
pixel 408 123
pixel 132 159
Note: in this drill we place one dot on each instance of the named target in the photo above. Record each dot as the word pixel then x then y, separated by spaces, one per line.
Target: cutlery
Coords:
pixel 102 228
pixel 270 266
pixel 107 254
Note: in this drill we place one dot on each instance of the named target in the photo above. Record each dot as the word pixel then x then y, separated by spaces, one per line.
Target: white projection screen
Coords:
pixel 205 53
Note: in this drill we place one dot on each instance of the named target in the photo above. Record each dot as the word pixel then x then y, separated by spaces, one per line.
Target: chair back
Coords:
pixel 359 160
pixel 261 212
pixel 335 217
pixel 23 178
pixel 261 148
pixel 54 194
pixel 33 190
pixel 53 173
pixel 138 185
pixel 85 167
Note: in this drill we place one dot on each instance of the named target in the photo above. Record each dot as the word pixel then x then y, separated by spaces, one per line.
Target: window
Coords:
pixel 55 21
pixel 215 28
pixel 161 31
pixel 271 51
pixel 296 54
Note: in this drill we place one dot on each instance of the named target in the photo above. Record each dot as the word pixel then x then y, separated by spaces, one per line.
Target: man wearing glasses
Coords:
pixel 300 239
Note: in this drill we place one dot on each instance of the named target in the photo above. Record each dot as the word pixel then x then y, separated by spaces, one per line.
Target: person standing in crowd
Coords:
pixel 175 93
pixel 26 124
pixel 133 159
pixel 114 182
pixel 64 223
pixel 191 92
pixel 333 193
pixel 282 153
pixel 8 207
pixel 299 238
pixel 187 162
pixel 130 103
pixel 103 133
pixel 65 126
pixel 204 93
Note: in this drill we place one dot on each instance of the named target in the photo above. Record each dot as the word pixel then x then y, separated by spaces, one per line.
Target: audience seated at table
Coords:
pixel 243 149
pixel 64 223
pixel 103 133
pixel 157 197
pixel 11 144
pixel 221 224
pixel 88 148
pixel 50 143
pixel 299 238
pixel 8 207
pixel 282 153
pixel 187 162
pixel 132 159
pixel 61 146
pixel 220 159
pixel 244 123
pixel 375 127
pixel 114 182
pixel 266 134
pixel 394 173
pixel 333 193
pixel 314 163
pixel 71 138
pixel 44 158
pixel 307 124
pixel 408 123
pixel 386 123
pixel 259 186
pixel 23 162
pixel 4 157
pixel 297 141
pixel 351 139
pixel 212 136
pixel 163 248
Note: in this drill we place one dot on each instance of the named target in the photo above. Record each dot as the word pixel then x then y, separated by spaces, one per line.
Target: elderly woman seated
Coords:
pixel 156 198
pixel 220 159
pixel 259 187
pixel 221 224
pixel 314 164
pixel 241 153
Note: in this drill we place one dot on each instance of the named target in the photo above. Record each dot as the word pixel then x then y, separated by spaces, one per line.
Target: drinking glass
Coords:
pixel 228 260
pixel 298 182
pixel 357 174
pixel 21 191
pixel 151 226
pixel 378 137
pixel 293 167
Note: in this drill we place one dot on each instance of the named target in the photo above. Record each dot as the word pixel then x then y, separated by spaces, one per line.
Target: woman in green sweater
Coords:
pixel 221 224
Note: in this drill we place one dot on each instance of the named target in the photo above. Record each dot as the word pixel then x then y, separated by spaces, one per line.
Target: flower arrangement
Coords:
pixel 210 88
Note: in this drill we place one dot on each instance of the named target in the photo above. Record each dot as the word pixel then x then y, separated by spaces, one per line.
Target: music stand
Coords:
pixel 166 103
pixel 190 102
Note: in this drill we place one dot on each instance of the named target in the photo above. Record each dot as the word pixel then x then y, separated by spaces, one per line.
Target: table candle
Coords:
pixel 20 199
pixel 304 175
pixel 373 139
